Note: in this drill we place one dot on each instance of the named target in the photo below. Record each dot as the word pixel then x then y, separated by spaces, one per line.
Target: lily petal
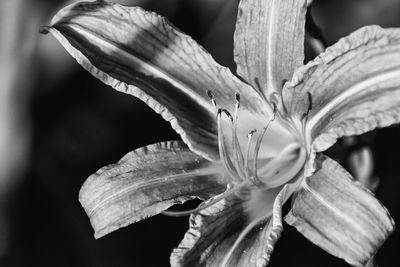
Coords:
pixel 339 215
pixel 214 231
pixel 142 54
pixel 354 87
pixel 146 182
pixel 269 42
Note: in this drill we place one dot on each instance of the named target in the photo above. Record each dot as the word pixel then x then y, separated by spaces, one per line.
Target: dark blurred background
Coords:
pixel 59 125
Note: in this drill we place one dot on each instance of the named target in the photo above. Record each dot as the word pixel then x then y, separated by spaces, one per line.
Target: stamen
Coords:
pixel 284 81
pixel 309 102
pixel 239 159
pixel 304 119
pixel 222 147
pixel 289 174
pixel 237 152
pixel 246 162
pixel 305 115
pixel 224 195
pixel 242 235
pixel 237 96
pixel 211 96
pixel 259 140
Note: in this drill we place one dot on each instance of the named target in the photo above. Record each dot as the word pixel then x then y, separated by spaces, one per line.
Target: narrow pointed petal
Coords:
pixel 269 42
pixel 146 182
pixel 214 231
pixel 339 215
pixel 354 87
pixel 142 54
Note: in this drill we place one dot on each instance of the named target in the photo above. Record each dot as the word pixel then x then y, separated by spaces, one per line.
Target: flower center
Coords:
pixel 248 165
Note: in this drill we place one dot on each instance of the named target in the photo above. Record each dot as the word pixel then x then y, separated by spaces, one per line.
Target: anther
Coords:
pixel 305 115
pixel 274 113
pixel 309 102
pixel 211 96
pixel 227 113
pixel 251 133
pixel 284 81
pixel 237 96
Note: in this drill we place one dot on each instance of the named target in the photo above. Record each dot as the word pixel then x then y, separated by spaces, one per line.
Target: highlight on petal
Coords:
pixel 361 165
pixel 269 42
pixel 237 231
pixel 146 182
pixel 142 54
pixel 339 215
pixel 354 87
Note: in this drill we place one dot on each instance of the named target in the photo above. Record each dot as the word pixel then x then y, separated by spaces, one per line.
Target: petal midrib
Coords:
pixel 145 183
pixel 149 68
pixel 335 210
pixel 271 77
pixel 346 94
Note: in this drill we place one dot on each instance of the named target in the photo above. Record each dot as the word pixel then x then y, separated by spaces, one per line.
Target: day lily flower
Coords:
pixel 248 144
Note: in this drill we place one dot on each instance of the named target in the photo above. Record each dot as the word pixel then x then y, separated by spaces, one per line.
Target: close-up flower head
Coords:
pixel 249 142
pixel 284 134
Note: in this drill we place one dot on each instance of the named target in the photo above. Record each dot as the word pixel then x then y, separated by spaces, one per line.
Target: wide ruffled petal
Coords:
pixel 354 87
pixel 215 230
pixel 142 54
pixel 269 42
pixel 339 214
pixel 146 182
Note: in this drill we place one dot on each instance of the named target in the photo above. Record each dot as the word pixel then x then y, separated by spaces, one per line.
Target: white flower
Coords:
pixel 259 140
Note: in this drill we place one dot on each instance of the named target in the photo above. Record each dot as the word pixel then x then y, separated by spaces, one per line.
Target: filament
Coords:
pixel 239 159
pixel 213 102
pixel 258 143
pixel 222 149
pixel 237 152
pixel 246 162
